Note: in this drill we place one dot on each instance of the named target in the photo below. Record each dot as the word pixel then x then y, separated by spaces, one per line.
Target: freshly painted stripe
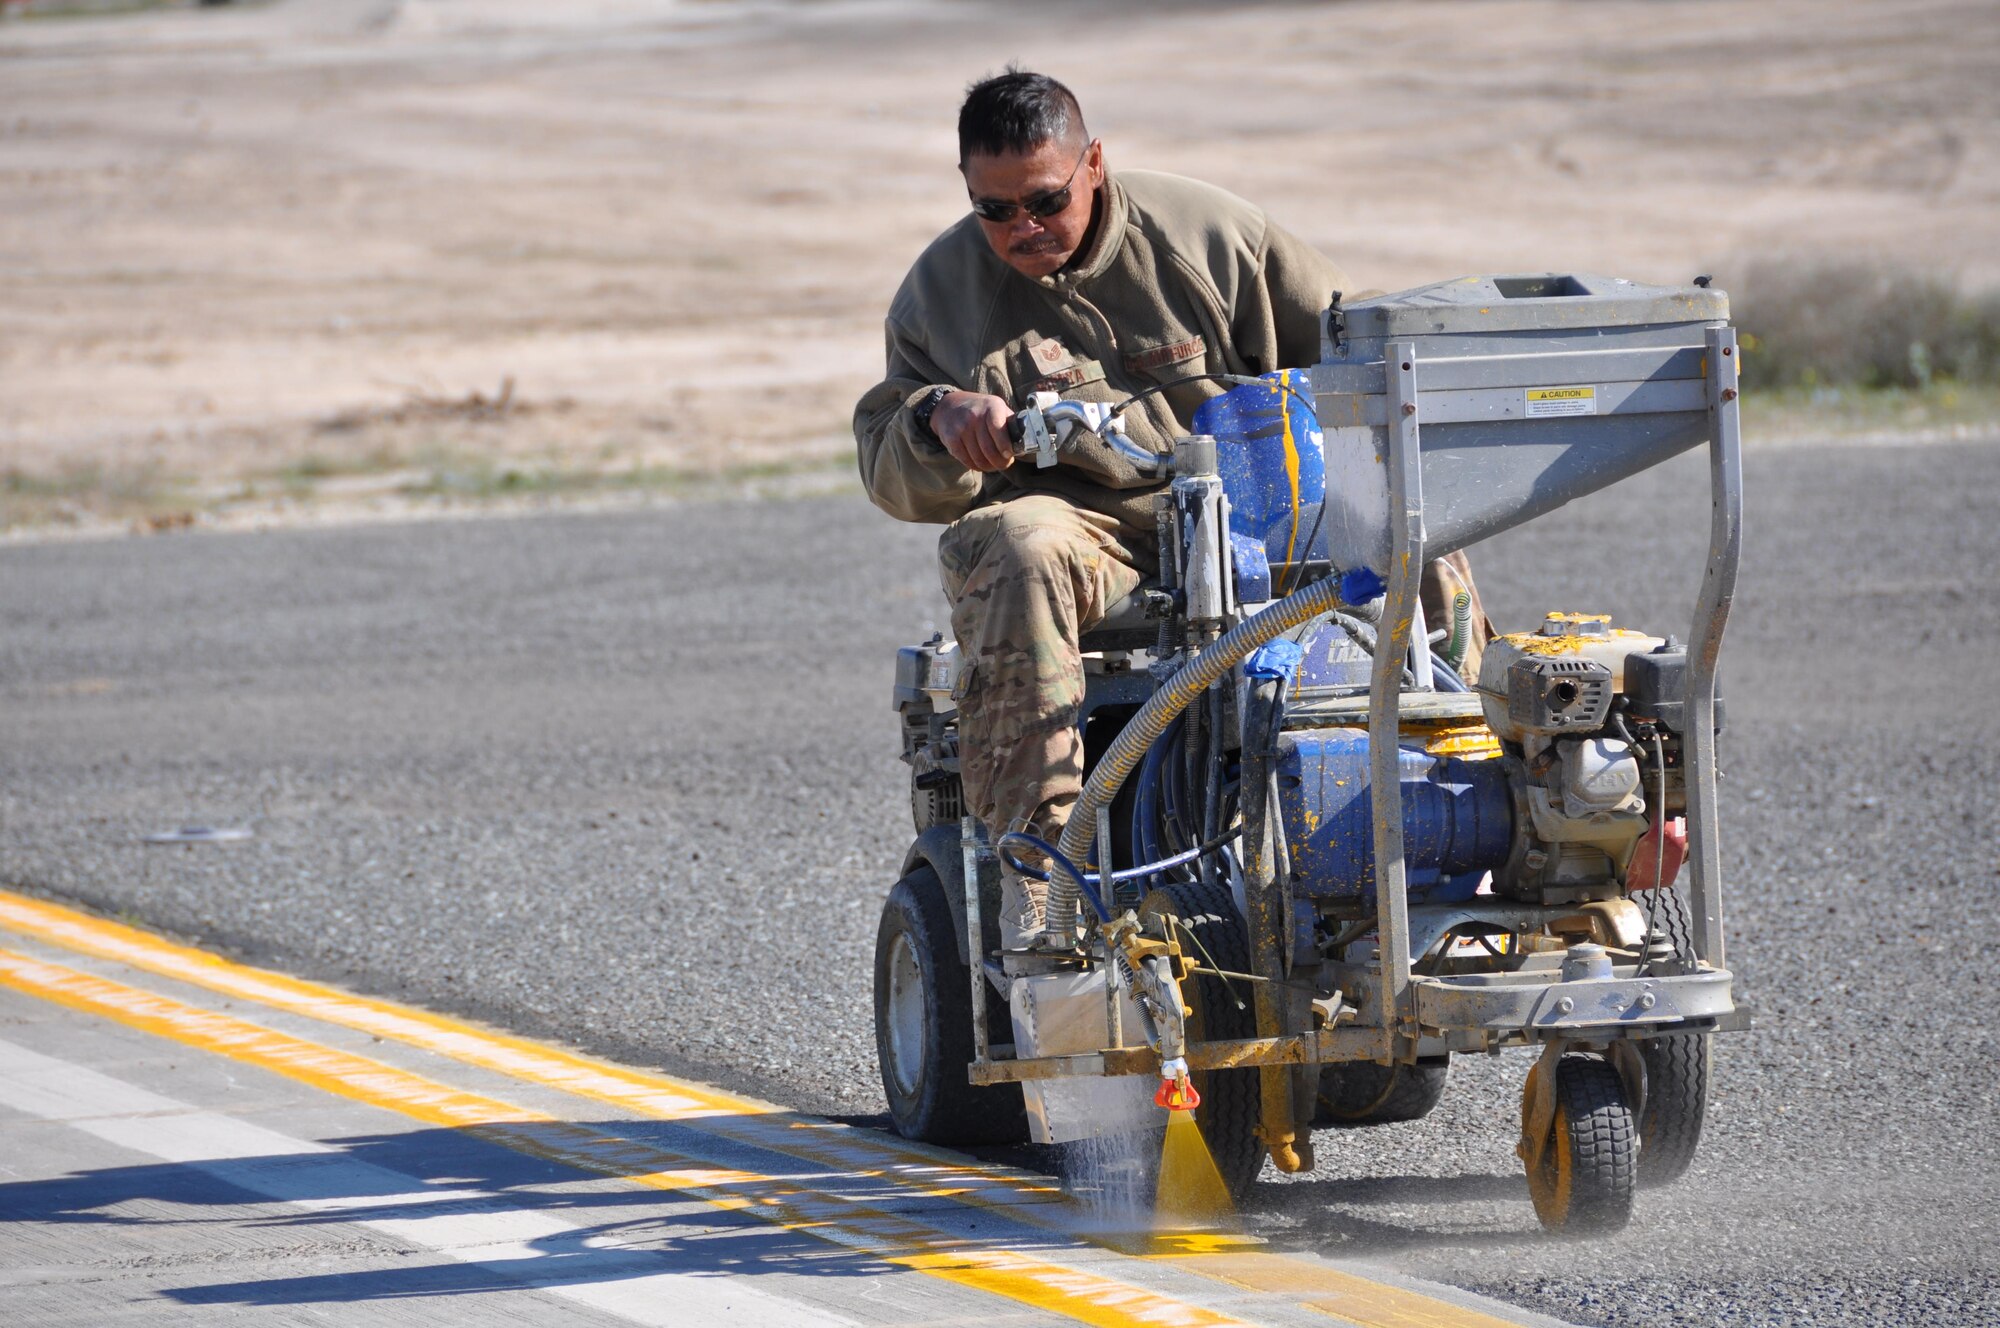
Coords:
pixel 1021 1197
pixel 1084 1296
pixel 742 1119
pixel 477 1227
pixel 1342 1295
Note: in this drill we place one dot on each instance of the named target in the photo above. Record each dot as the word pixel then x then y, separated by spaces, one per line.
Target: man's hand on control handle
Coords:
pixel 974 428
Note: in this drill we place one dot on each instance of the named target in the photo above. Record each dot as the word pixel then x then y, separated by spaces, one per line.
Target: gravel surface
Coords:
pixel 602 779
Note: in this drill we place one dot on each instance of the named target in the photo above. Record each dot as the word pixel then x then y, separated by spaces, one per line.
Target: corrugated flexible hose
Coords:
pixel 1357 586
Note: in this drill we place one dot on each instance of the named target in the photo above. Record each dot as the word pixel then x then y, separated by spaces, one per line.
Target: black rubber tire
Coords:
pixel 1364 1093
pixel 1677 1073
pixel 1231 1102
pixel 924 1069
pixel 1590 1171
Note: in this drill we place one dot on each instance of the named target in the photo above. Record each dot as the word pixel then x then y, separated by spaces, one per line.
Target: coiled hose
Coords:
pixel 1460 640
pixel 1356 586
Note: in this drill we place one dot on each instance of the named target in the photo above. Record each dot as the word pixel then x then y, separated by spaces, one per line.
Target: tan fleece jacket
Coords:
pixel 1179 278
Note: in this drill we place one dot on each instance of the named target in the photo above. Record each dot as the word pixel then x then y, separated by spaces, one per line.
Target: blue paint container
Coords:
pixel 1272 458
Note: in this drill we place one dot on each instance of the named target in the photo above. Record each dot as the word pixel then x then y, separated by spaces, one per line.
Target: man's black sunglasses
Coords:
pixel 1045 204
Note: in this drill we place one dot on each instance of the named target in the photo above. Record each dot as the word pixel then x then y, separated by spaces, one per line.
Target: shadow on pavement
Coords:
pixel 1329 1217
pixel 1403 1190
pixel 619 1232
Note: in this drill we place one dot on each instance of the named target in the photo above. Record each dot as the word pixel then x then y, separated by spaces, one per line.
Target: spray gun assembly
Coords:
pixel 1321 849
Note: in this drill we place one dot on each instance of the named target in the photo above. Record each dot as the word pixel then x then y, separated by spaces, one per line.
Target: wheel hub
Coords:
pixel 904 1015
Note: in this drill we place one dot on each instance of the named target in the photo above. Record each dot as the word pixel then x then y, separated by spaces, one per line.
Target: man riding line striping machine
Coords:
pixel 1504 874
pixel 1262 908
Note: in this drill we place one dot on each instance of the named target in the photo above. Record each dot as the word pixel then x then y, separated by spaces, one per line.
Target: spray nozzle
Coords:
pixel 1176 1092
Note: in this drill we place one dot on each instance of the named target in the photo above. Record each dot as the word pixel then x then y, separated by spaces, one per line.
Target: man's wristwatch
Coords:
pixel 926 407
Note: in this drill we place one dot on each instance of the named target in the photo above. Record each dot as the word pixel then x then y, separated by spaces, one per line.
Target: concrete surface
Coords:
pixel 607 778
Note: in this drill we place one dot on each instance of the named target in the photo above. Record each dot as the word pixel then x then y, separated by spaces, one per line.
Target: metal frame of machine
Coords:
pixel 1416 395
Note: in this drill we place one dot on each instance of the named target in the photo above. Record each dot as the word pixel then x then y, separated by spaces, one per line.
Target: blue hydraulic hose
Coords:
pixel 1092 879
pixel 1167 864
pixel 1086 885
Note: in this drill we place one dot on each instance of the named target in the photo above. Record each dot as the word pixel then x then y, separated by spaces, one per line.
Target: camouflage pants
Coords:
pixel 1026 579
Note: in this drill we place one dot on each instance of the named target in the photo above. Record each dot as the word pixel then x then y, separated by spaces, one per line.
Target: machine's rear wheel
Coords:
pixel 1588 1171
pixel 1364 1093
pixel 1677 1071
pixel 1212 934
pixel 923 1026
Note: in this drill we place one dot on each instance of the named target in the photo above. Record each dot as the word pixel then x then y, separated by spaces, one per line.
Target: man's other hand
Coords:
pixel 973 428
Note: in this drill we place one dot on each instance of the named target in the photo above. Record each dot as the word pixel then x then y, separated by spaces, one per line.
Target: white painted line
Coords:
pixel 853 1203
pixel 472 1226
pixel 893 1238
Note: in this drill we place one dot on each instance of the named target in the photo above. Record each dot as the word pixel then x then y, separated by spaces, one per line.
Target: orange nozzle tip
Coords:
pixel 1176 1095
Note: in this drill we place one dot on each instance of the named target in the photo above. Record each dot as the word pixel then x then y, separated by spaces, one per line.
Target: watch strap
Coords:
pixel 926 406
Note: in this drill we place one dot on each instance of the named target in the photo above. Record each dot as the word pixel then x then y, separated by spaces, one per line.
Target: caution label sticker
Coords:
pixel 1544 402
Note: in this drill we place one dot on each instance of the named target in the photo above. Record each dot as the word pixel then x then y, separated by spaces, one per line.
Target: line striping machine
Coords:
pixel 1318 852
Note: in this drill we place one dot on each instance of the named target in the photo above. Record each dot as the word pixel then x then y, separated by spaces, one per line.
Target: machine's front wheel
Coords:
pixel 1584 1179
pixel 1212 934
pixel 923 1026
pixel 1364 1093
pixel 1676 1104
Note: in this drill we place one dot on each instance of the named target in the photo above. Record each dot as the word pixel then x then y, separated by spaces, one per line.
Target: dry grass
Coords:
pixel 1809 324
pixel 1945 410
pixel 88 8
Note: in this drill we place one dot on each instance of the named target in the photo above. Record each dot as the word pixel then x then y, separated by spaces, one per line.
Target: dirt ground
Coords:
pixel 258 258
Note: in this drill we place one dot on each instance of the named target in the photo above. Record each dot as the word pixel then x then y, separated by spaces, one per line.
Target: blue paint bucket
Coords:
pixel 1273 462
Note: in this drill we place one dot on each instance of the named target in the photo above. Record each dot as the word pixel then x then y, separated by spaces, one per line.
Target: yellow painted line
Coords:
pixel 742 1119
pixel 726 1115
pixel 1342 1295
pixel 1074 1293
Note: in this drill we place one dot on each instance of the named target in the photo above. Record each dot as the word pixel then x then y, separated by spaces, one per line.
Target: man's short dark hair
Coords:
pixel 1016 111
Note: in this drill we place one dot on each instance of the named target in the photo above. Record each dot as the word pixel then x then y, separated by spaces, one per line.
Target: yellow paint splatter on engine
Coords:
pixel 1570 641
pixel 1468 741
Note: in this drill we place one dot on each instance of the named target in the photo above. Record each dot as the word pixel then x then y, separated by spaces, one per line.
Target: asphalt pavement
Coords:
pixel 183 1138
pixel 628 781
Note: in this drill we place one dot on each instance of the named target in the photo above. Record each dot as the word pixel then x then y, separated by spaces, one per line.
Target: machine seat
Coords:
pixel 1127 627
